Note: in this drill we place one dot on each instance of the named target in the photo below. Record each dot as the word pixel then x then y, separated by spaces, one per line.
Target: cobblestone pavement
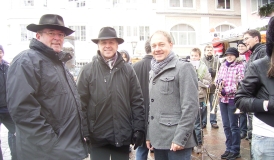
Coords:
pixel 214 145
pixel 4 143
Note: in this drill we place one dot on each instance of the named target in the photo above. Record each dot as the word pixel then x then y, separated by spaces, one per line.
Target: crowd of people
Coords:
pixel 158 104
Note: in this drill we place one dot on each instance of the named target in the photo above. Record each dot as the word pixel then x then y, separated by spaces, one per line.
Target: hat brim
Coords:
pixel 35 28
pixel 119 40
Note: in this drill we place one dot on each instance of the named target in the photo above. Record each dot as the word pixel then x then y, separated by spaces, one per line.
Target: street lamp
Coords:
pixel 134 44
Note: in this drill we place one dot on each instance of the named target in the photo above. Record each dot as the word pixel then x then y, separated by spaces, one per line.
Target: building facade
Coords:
pixel 188 21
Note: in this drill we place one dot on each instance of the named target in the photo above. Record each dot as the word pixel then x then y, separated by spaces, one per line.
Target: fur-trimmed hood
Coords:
pixel 237 60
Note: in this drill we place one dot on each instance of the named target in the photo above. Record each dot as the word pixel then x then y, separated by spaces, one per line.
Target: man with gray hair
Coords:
pixel 42 97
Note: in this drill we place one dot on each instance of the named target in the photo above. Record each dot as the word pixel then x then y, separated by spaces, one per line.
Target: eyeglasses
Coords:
pixel 246 38
pixel 52 34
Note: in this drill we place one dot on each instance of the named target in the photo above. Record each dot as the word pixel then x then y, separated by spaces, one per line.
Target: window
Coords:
pixel 143 33
pixel 183 34
pixel 81 4
pixel 25 34
pixel 223 4
pixel 45 3
pixel 80 32
pixel 128 31
pixel 28 2
pixel 180 3
pixel 119 31
pixel 223 28
pixel 254 5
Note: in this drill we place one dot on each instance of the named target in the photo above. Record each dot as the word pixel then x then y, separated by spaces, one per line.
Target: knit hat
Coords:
pixel 1 48
pixel 232 50
pixel 240 42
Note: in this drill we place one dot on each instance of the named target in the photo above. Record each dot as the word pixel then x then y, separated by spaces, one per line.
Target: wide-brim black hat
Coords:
pixel 107 33
pixel 51 21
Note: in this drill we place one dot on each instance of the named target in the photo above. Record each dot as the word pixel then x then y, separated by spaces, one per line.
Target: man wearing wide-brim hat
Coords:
pixel 112 101
pixel 42 97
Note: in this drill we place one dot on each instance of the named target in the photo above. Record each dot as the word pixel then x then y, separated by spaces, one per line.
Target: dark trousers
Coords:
pixel 107 151
pixel 231 128
pixel 166 154
pixel 5 118
pixel 198 124
pixel 243 123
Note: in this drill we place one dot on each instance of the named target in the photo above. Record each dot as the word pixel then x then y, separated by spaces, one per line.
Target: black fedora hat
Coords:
pixel 52 21
pixel 107 33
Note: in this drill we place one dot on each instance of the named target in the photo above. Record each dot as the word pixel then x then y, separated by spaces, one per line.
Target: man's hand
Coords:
pixel 149 146
pixel 138 138
pixel 175 147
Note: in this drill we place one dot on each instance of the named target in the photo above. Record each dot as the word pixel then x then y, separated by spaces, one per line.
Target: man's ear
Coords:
pixel 38 35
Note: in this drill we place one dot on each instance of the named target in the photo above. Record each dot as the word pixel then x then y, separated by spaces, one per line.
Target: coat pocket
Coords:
pixel 169 120
pixel 167 85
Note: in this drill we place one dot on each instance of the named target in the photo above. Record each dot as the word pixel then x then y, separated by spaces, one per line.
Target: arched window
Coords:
pixel 183 34
pixel 222 28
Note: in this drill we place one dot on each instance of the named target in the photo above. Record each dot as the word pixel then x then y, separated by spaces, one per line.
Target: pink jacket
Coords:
pixel 230 76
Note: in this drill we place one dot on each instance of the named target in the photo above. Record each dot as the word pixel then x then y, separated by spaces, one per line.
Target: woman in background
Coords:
pixel 230 73
pixel 125 56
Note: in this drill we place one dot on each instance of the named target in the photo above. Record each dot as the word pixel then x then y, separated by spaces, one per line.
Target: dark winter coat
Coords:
pixel 258 51
pixel 112 102
pixel 45 106
pixel 3 76
pixel 142 69
pixel 254 89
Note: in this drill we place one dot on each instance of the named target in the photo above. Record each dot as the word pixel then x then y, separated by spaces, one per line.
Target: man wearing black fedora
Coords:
pixel 42 97
pixel 112 101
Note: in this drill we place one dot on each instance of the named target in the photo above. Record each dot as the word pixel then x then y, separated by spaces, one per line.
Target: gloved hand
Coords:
pixel 87 140
pixel 270 106
pixel 138 138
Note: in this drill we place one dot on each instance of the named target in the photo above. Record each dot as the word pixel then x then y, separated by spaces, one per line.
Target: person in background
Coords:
pixel 112 101
pixel 255 94
pixel 125 56
pixel 212 63
pixel 230 73
pixel 204 80
pixel 252 40
pixel 42 97
pixel 173 91
pixel 142 69
pixel 5 117
pixel 245 53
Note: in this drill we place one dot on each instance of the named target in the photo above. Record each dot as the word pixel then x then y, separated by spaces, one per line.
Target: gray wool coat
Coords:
pixel 173 105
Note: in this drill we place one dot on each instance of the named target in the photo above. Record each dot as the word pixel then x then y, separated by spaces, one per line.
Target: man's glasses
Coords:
pixel 52 34
pixel 246 38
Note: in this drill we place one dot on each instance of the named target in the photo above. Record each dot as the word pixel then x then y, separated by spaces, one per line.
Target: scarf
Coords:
pixel 156 67
pixel 110 62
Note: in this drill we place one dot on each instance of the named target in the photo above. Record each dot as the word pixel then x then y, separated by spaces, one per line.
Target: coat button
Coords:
pixel 169 123
pixel 153 82
pixel 185 139
pixel 152 117
pixel 152 100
